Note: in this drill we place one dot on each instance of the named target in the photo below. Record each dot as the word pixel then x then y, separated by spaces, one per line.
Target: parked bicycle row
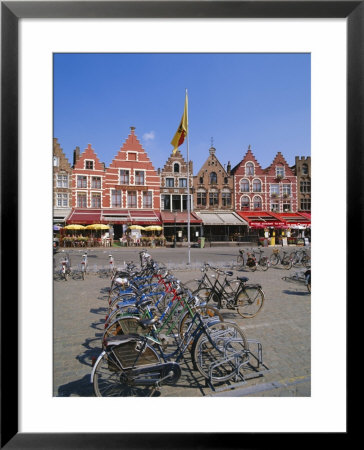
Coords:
pixel 153 320
pixel 254 258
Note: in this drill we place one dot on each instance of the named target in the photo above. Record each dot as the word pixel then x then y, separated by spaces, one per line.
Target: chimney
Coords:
pixel 228 169
pixel 76 155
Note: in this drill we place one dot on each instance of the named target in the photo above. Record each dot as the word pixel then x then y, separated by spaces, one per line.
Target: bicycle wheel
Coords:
pixel 264 263
pixel 206 295
pixel 306 261
pixel 110 380
pixel 249 301
pixel 220 351
pixel 274 259
pixel 286 262
pixel 207 313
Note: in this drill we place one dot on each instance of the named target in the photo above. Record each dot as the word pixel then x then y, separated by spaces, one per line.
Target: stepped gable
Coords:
pixel 279 160
pixel 212 158
pixel 132 145
pixel 89 153
pixel 239 169
pixel 58 151
pixel 172 158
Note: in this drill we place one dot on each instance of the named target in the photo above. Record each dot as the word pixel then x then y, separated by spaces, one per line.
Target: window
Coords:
pixel 201 180
pixel 147 199
pixel 213 198
pixel 305 204
pixel 184 203
pixel 182 182
pixel 124 176
pixel 245 202
pixel 116 198
pixel 139 177
pixel 169 182
pixel 176 168
pixel 257 202
pixel 132 199
pixel 226 180
pixel 55 161
pixel 96 182
pixel 166 202
pixel 81 181
pixel 176 202
pixel 213 178
pixel 257 186
pixel 274 190
pixel 62 181
pixel 286 206
pixel 274 206
pixel 304 169
pixel 249 169
pixel 226 199
pixel 201 198
pixel 89 165
pixel 62 200
pixel 96 200
pixel 244 186
pixel 81 200
pixel 286 190
pixel 280 172
pixel 305 186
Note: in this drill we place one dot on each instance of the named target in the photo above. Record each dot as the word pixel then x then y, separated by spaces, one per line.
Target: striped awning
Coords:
pixel 220 218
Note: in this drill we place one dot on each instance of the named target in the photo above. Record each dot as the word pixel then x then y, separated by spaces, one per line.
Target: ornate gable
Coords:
pixel 279 161
pixel 89 155
pixel 239 169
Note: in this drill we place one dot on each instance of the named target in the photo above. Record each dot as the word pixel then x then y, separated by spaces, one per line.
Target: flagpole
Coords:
pixel 188 192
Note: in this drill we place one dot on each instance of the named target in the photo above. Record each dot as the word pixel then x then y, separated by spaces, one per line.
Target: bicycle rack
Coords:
pixel 245 371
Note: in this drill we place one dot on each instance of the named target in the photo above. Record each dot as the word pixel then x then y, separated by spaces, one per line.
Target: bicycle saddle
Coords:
pixel 148 322
pixel 229 273
pixel 243 279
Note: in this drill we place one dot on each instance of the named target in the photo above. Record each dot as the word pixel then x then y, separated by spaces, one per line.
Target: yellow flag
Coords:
pixel 182 131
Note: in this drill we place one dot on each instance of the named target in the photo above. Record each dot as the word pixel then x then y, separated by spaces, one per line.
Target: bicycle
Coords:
pixel 65 265
pixel 300 258
pixel 303 277
pixel 246 299
pixel 84 265
pixel 285 260
pixel 137 365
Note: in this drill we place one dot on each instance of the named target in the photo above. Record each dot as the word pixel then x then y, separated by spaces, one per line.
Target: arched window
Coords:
pixel 257 186
pixel 176 168
pixel 257 202
pixel 304 169
pixel 249 168
pixel 213 178
pixel 245 202
pixel 244 186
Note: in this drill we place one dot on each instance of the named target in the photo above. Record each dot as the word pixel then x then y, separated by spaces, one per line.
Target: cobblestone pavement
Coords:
pixel 282 326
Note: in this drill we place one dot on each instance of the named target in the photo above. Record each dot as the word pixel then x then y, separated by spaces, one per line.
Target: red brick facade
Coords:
pixel 270 189
pixel 87 180
pixel 131 182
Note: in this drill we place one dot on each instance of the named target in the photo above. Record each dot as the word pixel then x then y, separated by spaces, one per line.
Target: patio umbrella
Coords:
pixel 74 227
pixel 153 228
pixel 97 226
pixel 136 227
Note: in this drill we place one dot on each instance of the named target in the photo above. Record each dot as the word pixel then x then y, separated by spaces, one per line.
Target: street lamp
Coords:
pixel 175 229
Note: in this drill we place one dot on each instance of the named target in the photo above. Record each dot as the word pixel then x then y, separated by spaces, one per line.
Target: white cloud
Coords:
pixel 149 136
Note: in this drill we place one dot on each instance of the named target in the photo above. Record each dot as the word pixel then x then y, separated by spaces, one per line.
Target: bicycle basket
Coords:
pixel 276 251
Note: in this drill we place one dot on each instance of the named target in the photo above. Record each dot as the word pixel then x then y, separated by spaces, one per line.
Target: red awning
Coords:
pixel 143 217
pixel 261 219
pixel 294 219
pixel 181 217
pixel 84 216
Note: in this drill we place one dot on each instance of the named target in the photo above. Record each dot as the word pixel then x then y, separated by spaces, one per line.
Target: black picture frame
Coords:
pixel 11 12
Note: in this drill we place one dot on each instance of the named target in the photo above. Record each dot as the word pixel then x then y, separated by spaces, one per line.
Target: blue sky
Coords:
pixel 262 100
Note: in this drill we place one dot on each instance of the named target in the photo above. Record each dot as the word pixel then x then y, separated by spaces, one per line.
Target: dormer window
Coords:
pixel 280 172
pixel 89 165
pixel 213 178
pixel 249 169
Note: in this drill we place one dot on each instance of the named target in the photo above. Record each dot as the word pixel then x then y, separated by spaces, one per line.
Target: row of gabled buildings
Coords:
pixel 225 202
